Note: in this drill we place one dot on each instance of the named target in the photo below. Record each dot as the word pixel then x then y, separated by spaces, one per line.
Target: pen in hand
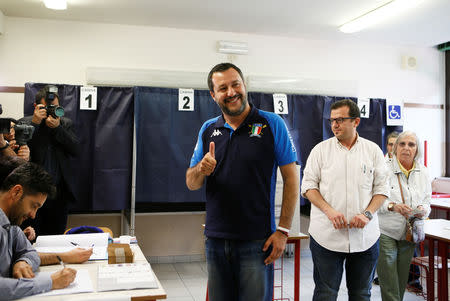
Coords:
pixel 60 261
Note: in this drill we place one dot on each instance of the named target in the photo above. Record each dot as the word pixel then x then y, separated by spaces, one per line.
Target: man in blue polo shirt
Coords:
pixel 238 154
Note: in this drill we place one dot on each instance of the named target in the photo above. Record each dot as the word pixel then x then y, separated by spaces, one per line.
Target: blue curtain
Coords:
pixel 166 137
pixel 102 171
pixel 165 141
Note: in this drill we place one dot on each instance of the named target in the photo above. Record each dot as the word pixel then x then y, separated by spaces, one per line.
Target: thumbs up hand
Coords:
pixel 208 163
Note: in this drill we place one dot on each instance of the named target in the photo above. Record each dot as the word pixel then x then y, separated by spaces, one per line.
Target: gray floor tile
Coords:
pixel 188 281
pixel 175 288
pixel 166 267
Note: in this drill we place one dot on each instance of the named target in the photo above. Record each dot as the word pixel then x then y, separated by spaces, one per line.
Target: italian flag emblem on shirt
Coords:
pixel 256 129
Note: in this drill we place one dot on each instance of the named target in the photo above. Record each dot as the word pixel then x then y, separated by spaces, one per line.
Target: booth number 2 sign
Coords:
pixel 88 98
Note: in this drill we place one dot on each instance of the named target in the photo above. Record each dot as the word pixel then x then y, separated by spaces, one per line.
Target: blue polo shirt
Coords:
pixel 240 192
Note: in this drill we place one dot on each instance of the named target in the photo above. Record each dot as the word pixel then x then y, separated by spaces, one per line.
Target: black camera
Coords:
pixel 52 92
pixel 24 133
pixel 54 111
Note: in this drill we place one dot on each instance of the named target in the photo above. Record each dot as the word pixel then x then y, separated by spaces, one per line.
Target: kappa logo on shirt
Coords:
pixel 256 129
pixel 216 133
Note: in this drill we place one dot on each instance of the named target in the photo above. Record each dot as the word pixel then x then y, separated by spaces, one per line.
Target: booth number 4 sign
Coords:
pixel 185 99
pixel 280 104
pixel 364 107
pixel 88 98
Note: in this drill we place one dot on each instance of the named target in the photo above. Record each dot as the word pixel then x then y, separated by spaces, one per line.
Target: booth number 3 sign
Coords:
pixel 88 98
pixel 280 104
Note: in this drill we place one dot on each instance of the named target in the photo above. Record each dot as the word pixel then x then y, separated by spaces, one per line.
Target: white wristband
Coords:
pixel 283 229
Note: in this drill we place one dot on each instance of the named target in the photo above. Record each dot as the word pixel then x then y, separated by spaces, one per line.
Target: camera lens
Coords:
pixel 59 111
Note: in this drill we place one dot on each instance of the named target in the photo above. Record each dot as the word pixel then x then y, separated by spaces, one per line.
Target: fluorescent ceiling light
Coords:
pixel 56 4
pixel 379 14
pixel 274 84
pixel 232 47
pixel 109 76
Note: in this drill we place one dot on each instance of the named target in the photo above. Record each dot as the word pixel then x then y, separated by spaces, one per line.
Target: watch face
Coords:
pixel 368 214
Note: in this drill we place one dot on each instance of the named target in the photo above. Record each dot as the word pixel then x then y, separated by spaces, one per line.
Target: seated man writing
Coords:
pixel 77 255
pixel 22 193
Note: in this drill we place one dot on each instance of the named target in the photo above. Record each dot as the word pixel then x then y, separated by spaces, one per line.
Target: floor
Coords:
pixel 187 281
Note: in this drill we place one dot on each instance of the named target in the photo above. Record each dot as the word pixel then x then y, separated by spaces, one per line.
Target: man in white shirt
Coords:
pixel 345 180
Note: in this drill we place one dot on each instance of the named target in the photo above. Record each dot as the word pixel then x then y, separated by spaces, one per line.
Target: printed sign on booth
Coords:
pixel 394 112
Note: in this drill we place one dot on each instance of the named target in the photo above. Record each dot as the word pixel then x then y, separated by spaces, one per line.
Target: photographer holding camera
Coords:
pixel 52 144
pixel 20 147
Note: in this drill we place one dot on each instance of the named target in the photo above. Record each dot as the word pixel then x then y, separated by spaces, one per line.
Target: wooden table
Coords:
pixel 296 239
pixel 438 230
pixel 92 267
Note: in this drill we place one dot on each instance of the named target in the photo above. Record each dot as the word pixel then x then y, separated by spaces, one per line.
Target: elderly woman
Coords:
pixel 410 195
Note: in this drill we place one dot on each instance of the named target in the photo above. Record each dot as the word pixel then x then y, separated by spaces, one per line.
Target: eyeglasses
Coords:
pixel 410 144
pixel 340 119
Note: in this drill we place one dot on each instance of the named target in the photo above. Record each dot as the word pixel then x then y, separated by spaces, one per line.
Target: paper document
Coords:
pixel 125 276
pixel 82 284
pixel 63 243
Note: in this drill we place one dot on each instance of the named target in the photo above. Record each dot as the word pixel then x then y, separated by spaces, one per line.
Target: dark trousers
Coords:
pixel 236 270
pixel 329 266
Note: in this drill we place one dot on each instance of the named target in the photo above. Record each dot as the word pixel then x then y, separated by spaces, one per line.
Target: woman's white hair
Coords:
pixel 409 134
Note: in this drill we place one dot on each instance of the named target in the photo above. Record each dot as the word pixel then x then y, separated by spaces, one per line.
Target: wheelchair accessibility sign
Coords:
pixel 394 113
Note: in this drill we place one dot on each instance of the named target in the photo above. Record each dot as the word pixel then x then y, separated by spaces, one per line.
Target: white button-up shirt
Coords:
pixel 347 180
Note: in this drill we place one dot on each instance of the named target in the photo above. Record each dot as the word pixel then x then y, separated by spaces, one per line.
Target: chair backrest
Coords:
pixel 89 229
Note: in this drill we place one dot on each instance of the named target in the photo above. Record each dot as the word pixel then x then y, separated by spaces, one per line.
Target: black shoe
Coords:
pixel 376 281
pixel 415 284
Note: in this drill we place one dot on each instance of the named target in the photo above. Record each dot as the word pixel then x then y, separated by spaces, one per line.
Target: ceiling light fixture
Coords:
pixel 56 4
pixel 379 14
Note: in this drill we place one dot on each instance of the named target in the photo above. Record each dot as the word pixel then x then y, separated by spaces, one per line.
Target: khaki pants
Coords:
pixel 393 267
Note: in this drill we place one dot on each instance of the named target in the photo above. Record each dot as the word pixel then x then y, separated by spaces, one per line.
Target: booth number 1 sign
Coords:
pixel 88 98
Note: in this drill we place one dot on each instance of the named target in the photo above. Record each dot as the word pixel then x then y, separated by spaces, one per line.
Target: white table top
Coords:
pixel 438 229
pixel 440 202
pixel 92 266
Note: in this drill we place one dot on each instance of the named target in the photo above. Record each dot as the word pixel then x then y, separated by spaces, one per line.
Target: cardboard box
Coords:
pixel 120 253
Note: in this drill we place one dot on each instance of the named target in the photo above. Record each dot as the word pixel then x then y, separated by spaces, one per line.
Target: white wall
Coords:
pixel 34 50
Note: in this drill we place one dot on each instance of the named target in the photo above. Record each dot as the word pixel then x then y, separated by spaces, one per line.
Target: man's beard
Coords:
pixel 16 218
pixel 237 112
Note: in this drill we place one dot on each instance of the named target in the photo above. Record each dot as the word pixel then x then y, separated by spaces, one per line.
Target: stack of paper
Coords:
pixel 81 284
pixel 125 276
pixel 64 243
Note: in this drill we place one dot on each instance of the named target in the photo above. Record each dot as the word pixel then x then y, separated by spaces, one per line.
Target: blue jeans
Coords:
pixel 236 270
pixel 328 268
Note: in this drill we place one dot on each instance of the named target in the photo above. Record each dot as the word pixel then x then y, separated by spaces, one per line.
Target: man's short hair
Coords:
pixel 42 94
pixel 353 110
pixel 221 68
pixel 33 178
pixel 391 135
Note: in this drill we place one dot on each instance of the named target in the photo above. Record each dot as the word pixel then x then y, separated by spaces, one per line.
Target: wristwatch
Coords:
pixel 4 146
pixel 391 206
pixel 368 214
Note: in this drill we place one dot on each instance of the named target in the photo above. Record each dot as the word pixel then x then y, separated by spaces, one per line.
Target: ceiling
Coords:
pixel 428 24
